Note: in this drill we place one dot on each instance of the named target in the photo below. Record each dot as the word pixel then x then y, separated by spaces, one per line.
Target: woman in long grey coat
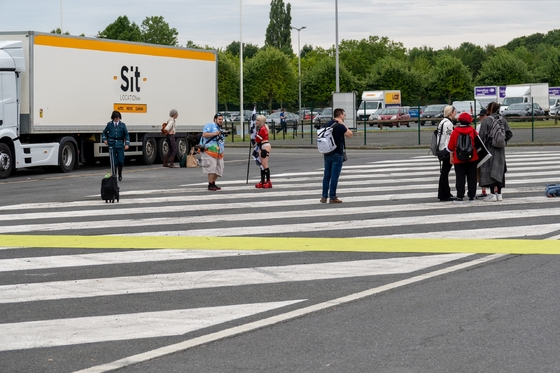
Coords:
pixel 493 171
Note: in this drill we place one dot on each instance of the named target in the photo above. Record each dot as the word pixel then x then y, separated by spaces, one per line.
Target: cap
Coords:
pixel 482 112
pixel 465 118
pixel 217 115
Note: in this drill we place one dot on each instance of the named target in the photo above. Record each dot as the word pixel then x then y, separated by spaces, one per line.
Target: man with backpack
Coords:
pixel 465 157
pixel 333 160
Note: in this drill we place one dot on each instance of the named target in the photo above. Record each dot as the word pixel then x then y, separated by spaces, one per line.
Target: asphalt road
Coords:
pixel 389 281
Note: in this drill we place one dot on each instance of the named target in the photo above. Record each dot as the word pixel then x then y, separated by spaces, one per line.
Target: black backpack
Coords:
pixel 464 147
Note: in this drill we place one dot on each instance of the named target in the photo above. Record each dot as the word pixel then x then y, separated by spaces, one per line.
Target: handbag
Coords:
pixel 443 155
pixel 191 161
pixel 163 130
pixel 344 156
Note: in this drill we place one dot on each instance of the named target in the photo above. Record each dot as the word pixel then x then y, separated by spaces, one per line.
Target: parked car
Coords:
pixel 375 116
pixel 273 120
pixel 394 113
pixel 325 116
pixel 246 115
pixel 433 112
pixel 227 116
pixel 413 111
pixel 310 115
pixel 464 107
pixel 523 110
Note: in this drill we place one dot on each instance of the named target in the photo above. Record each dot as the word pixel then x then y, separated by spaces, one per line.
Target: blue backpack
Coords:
pixel 552 190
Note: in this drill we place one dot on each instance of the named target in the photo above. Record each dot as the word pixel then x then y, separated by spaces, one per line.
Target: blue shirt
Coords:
pixel 212 144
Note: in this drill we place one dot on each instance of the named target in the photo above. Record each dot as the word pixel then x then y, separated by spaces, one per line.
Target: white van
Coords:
pixel 464 106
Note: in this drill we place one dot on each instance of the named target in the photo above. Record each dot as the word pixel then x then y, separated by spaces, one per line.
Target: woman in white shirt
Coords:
pixel 445 128
pixel 171 128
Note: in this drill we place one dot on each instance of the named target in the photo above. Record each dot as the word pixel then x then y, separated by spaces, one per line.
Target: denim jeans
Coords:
pixel 333 166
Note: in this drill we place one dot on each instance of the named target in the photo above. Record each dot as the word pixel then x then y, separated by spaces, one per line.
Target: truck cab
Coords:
pixel 11 65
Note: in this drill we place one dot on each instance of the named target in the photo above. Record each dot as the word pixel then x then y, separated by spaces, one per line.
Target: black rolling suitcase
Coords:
pixel 110 185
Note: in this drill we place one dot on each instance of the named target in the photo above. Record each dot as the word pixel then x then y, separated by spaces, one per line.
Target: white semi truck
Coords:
pixel 374 100
pixel 525 93
pixel 57 93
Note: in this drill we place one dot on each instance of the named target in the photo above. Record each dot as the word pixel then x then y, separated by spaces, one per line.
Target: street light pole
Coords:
pixel 241 116
pixel 336 42
pixel 299 68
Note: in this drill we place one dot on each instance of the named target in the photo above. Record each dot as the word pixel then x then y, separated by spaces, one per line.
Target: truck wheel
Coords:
pixel 149 151
pixel 66 156
pixel 6 161
pixel 182 147
pixel 162 149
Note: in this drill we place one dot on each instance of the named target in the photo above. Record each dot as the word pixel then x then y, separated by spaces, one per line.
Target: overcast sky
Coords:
pixel 216 23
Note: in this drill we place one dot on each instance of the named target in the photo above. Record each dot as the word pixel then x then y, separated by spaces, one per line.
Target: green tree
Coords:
pixel 450 79
pixel 471 55
pixel 249 50
pixel 59 31
pixel 156 31
pixel 228 79
pixel 391 73
pixel 319 82
pixel 191 44
pixel 306 49
pixel 548 70
pixel 503 68
pixel 121 29
pixel 424 53
pixel 359 56
pixel 269 76
pixel 279 30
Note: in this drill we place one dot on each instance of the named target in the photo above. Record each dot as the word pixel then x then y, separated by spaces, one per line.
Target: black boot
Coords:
pixel 120 172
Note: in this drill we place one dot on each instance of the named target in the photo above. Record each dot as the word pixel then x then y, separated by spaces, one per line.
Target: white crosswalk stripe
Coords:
pixel 404 188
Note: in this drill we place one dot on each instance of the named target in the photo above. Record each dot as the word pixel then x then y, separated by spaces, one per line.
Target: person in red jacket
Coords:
pixel 464 168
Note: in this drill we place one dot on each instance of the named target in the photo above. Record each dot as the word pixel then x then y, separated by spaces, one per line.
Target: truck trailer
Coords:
pixel 484 95
pixel 374 100
pixel 57 93
pixel 527 93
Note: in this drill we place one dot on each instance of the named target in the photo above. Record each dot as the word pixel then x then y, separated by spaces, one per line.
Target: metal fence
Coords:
pixel 379 134
pixel 383 134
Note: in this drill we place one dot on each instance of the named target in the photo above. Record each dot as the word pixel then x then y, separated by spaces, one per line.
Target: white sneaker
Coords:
pixel 499 196
pixel 490 198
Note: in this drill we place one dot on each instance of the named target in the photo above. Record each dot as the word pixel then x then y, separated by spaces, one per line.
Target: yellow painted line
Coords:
pixel 402 245
pixel 106 45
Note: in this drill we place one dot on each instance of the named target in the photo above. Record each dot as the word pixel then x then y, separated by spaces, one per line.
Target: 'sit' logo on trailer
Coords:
pixel 130 79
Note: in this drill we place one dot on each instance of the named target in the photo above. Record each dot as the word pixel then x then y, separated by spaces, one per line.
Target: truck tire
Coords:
pixel 162 149
pixel 149 151
pixel 67 156
pixel 6 161
pixel 182 147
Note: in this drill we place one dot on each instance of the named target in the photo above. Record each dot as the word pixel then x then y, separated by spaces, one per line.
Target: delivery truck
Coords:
pixel 484 95
pixel 57 93
pixel 526 93
pixel 374 100
pixel 554 100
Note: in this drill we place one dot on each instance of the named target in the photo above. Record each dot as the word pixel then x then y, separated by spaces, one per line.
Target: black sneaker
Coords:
pixel 217 187
pixel 212 188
